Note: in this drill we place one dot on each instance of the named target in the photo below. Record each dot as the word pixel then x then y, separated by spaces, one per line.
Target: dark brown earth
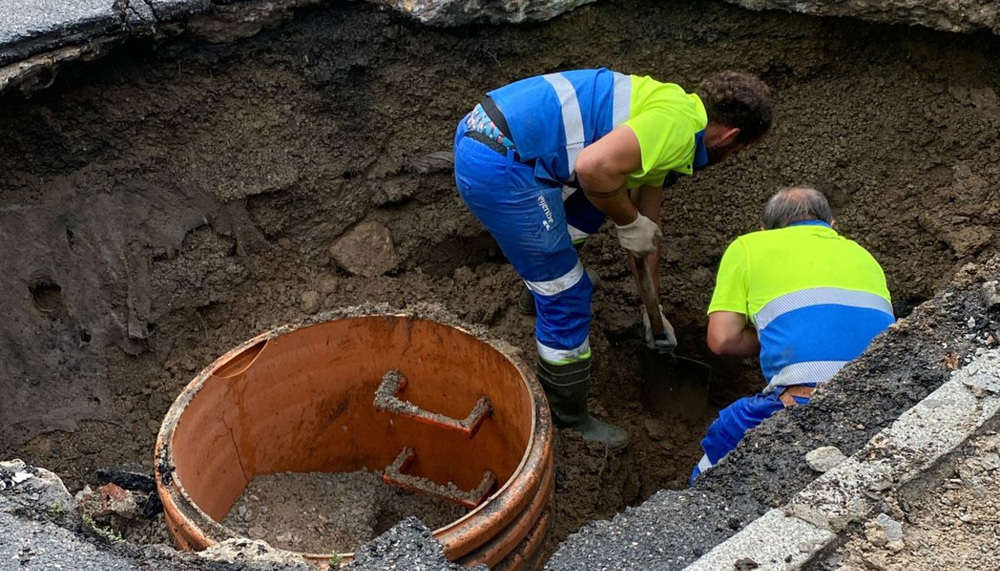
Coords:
pixel 165 204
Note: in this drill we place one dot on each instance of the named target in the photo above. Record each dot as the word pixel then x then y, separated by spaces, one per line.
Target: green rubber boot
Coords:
pixel 567 387
pixel 526 302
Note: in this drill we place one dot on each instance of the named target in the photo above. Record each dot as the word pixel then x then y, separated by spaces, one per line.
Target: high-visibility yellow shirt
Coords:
pixel 816 298
pixel 666 120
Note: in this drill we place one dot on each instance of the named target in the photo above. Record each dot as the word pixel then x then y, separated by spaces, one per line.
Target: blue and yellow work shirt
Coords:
pixel 816 298
pixel 553 117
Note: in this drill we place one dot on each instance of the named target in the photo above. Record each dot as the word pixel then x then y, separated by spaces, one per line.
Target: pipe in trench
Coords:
pixel 308 399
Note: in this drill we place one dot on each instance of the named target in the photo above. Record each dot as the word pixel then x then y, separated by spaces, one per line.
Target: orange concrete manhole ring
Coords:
pixel 453 407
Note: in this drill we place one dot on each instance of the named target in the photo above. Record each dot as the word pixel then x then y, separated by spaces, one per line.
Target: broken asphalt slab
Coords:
pixel 29 27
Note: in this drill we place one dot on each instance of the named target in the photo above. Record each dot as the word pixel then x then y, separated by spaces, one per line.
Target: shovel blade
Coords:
pixel 673 385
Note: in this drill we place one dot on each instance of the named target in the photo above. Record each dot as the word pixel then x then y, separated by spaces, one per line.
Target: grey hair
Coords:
pixel 796 204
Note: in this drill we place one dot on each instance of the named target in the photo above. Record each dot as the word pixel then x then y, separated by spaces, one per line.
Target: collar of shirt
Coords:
pixel 700 152
pixel 809 223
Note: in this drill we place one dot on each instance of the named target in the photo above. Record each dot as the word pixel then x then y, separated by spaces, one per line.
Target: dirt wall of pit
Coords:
pixel 166 203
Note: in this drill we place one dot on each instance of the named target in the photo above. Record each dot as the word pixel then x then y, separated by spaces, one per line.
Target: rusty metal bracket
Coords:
pixel 393 475
pixel 386 400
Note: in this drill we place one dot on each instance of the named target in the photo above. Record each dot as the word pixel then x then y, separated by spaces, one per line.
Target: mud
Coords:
pixel 329 513
pixel 165 204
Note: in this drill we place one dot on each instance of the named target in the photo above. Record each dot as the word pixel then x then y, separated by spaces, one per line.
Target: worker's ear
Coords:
pixel 728 136
pixel 719 136
pixel 833 223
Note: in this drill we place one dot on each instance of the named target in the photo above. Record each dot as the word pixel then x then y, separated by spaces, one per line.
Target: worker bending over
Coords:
pixel 807 299
pixel 542 161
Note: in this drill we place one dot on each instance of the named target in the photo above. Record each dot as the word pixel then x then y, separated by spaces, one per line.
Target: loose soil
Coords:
pixel 950 519
pixel 327 513
pixel 163 205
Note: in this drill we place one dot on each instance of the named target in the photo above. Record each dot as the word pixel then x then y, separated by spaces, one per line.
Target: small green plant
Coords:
pixel 335 560
pixel 59 506
pixel 107 532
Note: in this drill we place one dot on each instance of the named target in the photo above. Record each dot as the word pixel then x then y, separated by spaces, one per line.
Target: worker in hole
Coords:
pixel 799 295
pixel 542 161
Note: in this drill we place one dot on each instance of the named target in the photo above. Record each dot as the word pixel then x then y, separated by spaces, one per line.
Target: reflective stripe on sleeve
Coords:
pixel 571 115
pixel 819 296
pixel 560 284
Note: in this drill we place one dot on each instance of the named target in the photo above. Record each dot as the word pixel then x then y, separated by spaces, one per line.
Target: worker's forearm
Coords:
pixel 745 344
pixel 649 200
pixel 606 190
pixel 602 169
pixel 615 204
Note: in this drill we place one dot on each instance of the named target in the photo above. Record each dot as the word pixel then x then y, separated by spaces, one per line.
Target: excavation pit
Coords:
pixel 185 198
pixel 308 400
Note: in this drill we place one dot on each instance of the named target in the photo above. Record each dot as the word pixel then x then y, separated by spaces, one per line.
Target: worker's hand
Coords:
pixel 665 342
pixel 640 237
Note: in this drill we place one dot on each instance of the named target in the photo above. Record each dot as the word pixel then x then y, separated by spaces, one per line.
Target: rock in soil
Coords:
pixel 366 250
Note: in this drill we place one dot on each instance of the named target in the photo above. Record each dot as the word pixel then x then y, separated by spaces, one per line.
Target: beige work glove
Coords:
pixel 666 341
pixel 639 237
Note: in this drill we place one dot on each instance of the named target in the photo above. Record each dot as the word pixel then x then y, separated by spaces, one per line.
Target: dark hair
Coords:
pixel 738 100
pixel 796 204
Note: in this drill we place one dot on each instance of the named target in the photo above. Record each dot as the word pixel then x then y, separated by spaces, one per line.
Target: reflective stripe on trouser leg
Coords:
pixel 703 464
pixel 562 326
pixel 577 235
pixel 582 218
pixel 526 217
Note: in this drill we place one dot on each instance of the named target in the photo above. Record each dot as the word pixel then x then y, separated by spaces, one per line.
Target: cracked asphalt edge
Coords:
pixel 787 538
pixel 31 27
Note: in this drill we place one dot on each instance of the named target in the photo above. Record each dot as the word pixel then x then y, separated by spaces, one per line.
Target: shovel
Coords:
pixel 671 384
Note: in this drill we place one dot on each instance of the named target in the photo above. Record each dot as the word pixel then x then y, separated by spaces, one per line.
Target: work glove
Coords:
pixel 663 343
pixel 639 237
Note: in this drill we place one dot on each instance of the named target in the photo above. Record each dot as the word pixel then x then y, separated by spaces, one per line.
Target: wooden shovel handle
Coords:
pixel 647 292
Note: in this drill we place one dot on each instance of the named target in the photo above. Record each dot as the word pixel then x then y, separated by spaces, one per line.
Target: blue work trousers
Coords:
pixel 733 422
pixel 526 216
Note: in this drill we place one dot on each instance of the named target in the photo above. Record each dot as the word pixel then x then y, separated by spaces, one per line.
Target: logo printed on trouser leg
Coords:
pixel 549 220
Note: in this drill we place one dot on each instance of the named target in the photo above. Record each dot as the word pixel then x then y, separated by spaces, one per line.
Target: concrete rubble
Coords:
pixel 824 458
pixel 459 12
pixel 243 550
pixel 32 490
pixel 107 500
